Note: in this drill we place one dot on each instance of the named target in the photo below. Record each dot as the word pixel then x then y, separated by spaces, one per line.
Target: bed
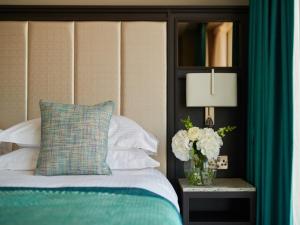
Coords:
pixel 133 191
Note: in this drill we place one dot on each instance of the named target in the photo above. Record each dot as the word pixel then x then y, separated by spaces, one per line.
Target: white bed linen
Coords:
pixel 149 179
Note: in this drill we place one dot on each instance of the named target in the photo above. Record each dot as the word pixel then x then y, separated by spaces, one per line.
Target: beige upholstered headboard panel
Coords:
pixel 98 51
pixel 85 63
pixel 13 73
pixel 144 78
pixel 50 64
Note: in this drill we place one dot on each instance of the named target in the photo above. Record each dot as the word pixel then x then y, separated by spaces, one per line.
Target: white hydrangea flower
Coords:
pixel 194 133
pixel 180 145
pixel 209 143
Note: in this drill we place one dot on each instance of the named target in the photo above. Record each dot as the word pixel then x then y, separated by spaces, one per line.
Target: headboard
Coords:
pixel 85 62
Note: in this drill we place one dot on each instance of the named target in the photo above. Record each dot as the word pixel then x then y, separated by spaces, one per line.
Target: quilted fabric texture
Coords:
pixel 74 139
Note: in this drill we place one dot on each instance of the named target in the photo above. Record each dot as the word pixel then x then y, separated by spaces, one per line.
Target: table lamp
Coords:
pixel 211 90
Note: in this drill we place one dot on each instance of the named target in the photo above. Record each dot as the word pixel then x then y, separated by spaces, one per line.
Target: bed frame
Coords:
pixel 142 46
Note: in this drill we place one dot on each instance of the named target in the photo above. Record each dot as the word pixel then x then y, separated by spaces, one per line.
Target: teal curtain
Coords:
pixel 270 108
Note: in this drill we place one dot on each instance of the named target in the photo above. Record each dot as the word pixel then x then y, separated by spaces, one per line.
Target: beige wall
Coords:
pixel 124 2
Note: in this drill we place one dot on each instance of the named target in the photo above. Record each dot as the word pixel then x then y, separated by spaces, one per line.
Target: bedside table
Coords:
pixel 230 201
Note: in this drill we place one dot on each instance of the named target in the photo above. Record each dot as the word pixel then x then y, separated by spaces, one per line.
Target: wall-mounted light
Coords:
pixel 211 90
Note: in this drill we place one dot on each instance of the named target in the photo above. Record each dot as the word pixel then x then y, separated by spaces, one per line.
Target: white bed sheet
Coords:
pixel 149 179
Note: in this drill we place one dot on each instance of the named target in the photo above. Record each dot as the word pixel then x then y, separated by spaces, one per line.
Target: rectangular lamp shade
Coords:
pixel 211 89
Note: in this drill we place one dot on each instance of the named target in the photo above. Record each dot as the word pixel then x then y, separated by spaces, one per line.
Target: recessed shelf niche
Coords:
pixel 207 44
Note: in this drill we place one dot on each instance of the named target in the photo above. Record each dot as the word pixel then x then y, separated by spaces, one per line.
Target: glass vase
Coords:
pixel 199 174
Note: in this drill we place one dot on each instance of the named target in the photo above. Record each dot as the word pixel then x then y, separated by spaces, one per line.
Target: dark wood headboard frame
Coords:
pixel 175 76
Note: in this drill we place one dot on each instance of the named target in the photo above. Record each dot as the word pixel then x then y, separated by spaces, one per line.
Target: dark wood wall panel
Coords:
pixel 235 143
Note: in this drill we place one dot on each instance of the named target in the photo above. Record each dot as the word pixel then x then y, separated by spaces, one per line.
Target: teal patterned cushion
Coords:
pixel 74 139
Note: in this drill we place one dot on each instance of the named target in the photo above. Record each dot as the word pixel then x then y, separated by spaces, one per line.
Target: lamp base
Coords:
pixel 209 116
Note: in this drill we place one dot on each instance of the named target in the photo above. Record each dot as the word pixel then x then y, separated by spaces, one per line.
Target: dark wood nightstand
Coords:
pixel 230 201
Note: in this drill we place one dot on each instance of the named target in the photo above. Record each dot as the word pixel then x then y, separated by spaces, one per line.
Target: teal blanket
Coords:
pixel 88 206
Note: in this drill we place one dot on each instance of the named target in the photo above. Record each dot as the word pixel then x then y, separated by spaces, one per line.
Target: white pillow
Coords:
pixel 25 134
pixel 26 159
pixel 21 159
pixel 123 132
pixel 129 159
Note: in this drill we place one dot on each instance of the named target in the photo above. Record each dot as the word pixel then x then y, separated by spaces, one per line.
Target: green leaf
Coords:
pixel 187 123
pixel 224 130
